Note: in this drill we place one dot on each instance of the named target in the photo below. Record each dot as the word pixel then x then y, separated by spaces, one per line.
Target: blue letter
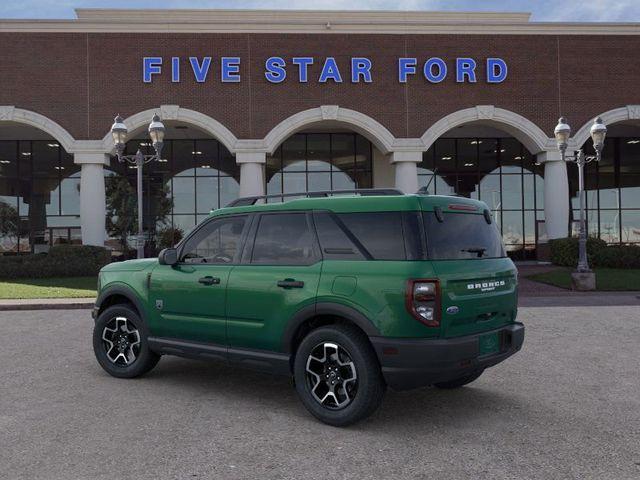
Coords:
pixel 230 70
pixel 428 70
pixel 275 69
pixel 465 67
pixel 406 66
pixel 303 64
pixel 360 66
pixel 175 69
pixel 150 66
pixel 496 70
pixel 200 71
pixel 330 71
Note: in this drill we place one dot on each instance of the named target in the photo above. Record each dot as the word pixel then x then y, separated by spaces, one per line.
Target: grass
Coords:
pixel 71 287
pixel 607 279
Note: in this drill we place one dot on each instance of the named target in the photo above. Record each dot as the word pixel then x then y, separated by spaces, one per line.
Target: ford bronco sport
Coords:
pixel 347 294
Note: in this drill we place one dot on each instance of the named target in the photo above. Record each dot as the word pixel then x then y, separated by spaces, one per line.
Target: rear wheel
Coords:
pixel 120 343
pixel 460 381
pixel 337 375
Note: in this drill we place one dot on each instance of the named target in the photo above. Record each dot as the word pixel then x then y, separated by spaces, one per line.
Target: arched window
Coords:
pixel 39 196
pixel 320 161
pixel 498 171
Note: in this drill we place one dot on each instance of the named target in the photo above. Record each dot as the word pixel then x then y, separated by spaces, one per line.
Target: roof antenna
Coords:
pixel 425 190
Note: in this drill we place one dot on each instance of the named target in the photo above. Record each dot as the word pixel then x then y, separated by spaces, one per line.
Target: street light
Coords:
pixel 119 133
pixel 562 133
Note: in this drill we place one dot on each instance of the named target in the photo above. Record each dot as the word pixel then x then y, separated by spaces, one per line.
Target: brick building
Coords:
pixel 283 101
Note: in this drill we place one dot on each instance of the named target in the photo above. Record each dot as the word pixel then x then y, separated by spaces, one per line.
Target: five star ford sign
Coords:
pixel 361 69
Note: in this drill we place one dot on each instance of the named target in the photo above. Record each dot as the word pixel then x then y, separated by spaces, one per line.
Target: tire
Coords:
pixel 459 382
pixel 340 354
pixel 122 352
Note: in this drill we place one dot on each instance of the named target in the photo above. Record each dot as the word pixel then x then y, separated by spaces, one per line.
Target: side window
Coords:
pixel 334 241
pixel 283 239
pixel 379 232
pixel 218 242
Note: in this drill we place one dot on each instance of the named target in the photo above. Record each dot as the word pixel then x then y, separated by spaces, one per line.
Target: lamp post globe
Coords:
pixel 598 134
pixel 156 132
pixel 562 133
pixel 119 133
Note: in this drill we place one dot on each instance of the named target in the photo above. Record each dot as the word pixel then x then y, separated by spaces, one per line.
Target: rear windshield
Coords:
pixel 461 236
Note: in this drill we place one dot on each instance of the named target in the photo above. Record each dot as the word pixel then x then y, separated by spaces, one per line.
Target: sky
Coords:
pixel 542 10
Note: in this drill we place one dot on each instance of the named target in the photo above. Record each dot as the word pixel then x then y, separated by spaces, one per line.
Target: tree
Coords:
pixel 122 208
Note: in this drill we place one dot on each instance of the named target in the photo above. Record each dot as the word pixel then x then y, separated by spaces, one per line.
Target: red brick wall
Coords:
pixel 82 80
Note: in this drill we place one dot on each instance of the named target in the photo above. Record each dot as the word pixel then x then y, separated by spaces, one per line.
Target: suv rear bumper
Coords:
pixel 412 363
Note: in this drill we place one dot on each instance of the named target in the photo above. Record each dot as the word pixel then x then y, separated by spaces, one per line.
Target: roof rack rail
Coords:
pixel 246 201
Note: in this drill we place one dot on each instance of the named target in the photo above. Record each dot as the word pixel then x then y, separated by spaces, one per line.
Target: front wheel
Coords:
pixel 120 343
pixel 337 375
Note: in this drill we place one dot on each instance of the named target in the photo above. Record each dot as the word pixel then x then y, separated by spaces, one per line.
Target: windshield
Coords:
pixel 461 236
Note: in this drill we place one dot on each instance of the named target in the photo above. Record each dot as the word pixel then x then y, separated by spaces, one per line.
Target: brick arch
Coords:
pixel 527 132
pixel 177 113
pixel 374 131
pixel 629 112
pixel 9 113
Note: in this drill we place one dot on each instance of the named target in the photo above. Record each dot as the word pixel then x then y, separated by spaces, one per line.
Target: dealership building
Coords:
pixel 273 102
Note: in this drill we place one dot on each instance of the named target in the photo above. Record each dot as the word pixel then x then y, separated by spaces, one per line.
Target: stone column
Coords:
pixel 251 173
pixel 406 166
pixel 556 194
pixel 92 196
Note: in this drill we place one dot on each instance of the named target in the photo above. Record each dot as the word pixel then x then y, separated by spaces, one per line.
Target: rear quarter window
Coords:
pixel 380 233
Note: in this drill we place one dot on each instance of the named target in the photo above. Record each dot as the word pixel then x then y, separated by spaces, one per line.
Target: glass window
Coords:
pixel 334 242
pixel 379 233
pixel 319 161
pixel 467 154
pixel 318 151
pixel 445 155
pixel 512 228
pixel 631 226
pixel 283 239
pixel 445 242
pixel 217 242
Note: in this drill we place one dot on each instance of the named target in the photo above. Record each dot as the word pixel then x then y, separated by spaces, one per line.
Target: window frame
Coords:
pixel 198 231
pixel 247 254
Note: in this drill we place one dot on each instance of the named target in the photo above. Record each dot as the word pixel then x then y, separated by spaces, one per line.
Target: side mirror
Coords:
pixel 168 256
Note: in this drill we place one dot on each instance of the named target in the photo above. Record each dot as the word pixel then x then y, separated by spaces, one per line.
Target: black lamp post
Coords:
pixel 156 132
pixel 562 133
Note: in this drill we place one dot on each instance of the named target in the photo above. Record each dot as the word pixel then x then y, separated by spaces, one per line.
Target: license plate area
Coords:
pixel 489 343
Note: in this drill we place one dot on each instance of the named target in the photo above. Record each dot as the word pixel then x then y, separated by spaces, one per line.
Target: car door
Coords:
pixel 279 275
pixel 190 297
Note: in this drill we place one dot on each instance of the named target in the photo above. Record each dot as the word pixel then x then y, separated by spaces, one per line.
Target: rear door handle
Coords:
pixel 290 283
pixel 208 280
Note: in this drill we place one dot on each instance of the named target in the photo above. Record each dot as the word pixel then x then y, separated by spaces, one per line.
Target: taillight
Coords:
pixel 423 301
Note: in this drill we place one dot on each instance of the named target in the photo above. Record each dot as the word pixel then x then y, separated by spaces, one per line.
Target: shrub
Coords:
pixel 564 251
pixel 618 256
pixel 61 261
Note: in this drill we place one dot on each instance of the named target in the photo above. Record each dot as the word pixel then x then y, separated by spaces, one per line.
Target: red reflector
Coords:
pixel 462 206
pixel 465 363
pixel 390 351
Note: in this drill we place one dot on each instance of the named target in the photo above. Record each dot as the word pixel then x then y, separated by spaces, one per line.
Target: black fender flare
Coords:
pixel 326 308
pixel 123 291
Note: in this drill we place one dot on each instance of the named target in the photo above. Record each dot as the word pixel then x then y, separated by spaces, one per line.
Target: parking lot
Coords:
pixel 567 406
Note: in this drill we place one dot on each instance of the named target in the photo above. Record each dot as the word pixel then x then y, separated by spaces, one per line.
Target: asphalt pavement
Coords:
pixel 567 406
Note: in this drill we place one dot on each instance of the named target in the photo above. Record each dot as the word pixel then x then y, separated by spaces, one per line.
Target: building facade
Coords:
pixel 287 101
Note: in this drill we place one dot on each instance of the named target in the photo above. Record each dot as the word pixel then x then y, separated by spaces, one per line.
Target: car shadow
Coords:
pixel 399 410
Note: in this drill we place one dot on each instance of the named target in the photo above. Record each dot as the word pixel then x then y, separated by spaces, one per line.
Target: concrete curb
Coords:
pixel 47 304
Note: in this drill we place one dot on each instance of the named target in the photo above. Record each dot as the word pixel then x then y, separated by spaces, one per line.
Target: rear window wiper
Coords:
pixel 477 250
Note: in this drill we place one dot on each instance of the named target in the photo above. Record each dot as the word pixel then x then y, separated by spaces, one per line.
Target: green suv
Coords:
pixel 348 294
